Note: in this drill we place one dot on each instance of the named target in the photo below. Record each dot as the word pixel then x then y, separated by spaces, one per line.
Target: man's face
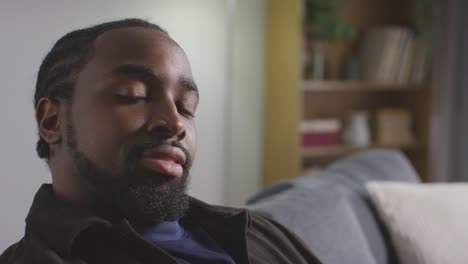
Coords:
pixel 130 127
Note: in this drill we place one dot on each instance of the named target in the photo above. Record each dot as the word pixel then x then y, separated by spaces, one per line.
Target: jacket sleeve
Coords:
pixel 11 253
pixel 269 239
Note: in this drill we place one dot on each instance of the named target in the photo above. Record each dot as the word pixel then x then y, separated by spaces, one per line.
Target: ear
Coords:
pixel 48 120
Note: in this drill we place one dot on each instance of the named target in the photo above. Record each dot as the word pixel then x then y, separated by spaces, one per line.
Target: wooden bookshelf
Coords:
pixel 357 86
pixel 339 150
pixel 291 98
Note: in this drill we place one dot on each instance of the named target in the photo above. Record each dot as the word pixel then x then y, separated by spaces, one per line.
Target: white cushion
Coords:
pixel 428 223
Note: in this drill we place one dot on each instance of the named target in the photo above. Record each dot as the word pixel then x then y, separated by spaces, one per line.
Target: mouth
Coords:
pixel 164 159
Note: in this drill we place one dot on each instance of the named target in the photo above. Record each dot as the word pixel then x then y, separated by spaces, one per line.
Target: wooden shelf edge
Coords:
pixel 330 151
pixel 358 86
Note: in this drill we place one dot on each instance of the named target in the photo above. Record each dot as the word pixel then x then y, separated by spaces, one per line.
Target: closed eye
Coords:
pixel 185 112
pixel 129 99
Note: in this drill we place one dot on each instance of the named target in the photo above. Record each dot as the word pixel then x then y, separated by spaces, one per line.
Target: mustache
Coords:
pixel 137 150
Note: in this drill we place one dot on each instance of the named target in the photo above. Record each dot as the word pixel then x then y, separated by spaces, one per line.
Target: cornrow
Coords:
pixel 58 70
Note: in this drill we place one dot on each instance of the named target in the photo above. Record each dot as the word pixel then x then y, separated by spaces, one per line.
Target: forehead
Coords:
pixel 138 45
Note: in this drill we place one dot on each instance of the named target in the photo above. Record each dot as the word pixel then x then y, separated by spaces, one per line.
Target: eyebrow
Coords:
pixel 137 69
pixel 146 70
pixel 189 84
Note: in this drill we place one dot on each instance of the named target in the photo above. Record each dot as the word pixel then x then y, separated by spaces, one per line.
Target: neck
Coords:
pixel 70 187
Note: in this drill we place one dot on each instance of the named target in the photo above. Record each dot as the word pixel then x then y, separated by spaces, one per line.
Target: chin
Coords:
pixel 154 199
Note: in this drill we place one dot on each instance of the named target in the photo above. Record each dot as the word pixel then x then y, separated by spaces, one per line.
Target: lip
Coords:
pixel 164 159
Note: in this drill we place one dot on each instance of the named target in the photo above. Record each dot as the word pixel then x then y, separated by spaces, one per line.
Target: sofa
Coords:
pixel 331 210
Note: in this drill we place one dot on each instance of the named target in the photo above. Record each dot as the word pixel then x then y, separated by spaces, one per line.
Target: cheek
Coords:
pixel 104 133
pixel 191 140
pixel 129 121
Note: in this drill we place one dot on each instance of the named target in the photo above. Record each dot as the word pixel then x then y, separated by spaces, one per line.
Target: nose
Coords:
pixel 165 121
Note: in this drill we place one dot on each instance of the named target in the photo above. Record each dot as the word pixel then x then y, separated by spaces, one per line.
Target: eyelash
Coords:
pixel 185 112
pixel 130 99
pixel 136 99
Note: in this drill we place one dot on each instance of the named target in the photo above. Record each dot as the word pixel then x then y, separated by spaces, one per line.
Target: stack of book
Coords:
pixel 394 127
pixel 391 54
pixel 320 132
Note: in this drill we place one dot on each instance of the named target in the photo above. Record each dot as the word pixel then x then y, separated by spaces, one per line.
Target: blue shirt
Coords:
pixel 189 245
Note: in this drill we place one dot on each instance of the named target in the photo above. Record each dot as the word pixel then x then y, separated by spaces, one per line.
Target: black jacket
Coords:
pixel 56 233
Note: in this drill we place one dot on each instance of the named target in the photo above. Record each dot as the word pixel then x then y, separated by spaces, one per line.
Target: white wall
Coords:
pixel 227 168
pixel 244 169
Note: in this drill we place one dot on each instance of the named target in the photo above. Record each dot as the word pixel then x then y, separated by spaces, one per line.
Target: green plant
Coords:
pixel 325 22
pixel 423 25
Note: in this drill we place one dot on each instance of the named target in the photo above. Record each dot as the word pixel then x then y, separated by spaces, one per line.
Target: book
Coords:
pixel 387 55
pixel 394 127
pixel 320 132
pixel 407 59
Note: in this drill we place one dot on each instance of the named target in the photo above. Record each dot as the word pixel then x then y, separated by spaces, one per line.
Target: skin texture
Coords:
pixel 134 95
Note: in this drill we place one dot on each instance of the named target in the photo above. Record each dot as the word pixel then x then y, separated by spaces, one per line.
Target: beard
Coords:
pixel 140 195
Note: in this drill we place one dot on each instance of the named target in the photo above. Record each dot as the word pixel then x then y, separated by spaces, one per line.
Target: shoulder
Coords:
pixel 266 240
pixel 265 234
pixel 12 253
pixel 31 250
pixel 262 224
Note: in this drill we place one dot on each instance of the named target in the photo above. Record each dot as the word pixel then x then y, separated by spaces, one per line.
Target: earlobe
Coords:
pixel 48 120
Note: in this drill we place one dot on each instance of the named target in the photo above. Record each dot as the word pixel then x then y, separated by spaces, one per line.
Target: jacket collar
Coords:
pixel 226 225
pixel 59 223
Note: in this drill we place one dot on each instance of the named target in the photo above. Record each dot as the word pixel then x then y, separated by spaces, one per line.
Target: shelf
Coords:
pixel 287 46
pixel 330 151
pixel 357 86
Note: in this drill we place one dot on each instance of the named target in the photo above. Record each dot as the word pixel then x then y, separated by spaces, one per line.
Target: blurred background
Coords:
pixel 349 75
pixel 287 87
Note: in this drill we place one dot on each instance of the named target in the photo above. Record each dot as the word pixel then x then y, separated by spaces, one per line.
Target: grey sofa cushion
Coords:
pixel 322 217
pixel 347 177
pixel 352 173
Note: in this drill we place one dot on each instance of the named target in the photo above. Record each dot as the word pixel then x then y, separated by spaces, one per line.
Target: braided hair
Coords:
pixel 59 69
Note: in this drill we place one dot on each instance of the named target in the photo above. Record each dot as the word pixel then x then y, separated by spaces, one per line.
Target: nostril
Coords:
pixel 166 129
pixel 181 135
